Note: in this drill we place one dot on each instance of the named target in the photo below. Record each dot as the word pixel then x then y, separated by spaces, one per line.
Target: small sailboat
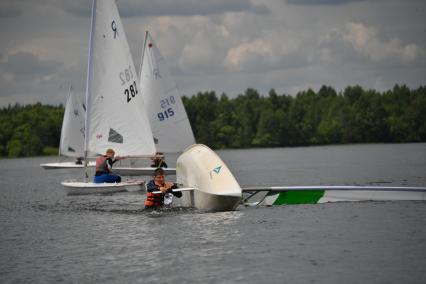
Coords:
pixel 208 184
pixel 172 132
pixel 72 134
pixel 114 117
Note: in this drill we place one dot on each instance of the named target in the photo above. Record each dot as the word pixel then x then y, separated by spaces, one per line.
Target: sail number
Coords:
pixel 166 105
pixel 131 91
pixel 165 114
pixel 167 102
pixel 126 75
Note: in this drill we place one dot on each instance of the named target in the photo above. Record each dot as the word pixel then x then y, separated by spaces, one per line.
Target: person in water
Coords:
pixel 104 168
pixel 157 200
pixel 158 161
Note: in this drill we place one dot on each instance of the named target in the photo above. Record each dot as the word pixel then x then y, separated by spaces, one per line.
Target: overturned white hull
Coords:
pixel 141 171
pixel 85 188
pixel 207 201
pixel 215 187
pixel 280 195
pixel 65 165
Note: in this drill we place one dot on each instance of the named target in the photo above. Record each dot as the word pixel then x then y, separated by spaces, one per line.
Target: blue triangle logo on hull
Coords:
pixel 217 169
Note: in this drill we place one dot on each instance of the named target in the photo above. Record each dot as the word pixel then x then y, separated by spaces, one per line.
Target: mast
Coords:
pixel 89 90
pixel 143 55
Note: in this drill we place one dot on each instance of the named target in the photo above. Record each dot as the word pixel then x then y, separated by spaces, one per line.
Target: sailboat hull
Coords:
pixel 65 165
pixel 207 201
pixel 85 188
pixel 216 188
pixel 141 171
pixel 325 196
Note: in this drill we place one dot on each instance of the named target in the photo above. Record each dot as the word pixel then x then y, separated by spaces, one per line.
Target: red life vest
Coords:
pixel 101 164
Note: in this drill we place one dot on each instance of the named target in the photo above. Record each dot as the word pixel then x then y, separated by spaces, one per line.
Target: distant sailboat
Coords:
pixel 114 117
pixel 169 122
pixel 72 134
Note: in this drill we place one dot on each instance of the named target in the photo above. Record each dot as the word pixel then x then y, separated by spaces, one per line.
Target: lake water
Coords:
pixel 47 236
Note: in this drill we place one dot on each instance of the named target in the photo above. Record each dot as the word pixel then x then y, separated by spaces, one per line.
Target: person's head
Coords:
pixel 159 175
pixel 158 156
pixel 110 153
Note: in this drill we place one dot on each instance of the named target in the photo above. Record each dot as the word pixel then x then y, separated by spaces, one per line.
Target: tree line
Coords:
pixel 353 115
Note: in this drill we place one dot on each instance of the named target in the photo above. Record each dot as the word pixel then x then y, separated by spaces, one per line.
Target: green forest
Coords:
pixel 353 115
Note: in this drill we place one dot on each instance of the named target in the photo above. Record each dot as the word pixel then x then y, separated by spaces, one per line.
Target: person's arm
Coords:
pixel 109 163
pixel 151 186
pixel 118 158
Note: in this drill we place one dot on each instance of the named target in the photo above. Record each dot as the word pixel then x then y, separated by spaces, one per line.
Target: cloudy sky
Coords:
pixel 221 45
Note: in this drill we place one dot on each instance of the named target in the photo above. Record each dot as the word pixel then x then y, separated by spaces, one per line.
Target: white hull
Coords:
pixel 323 194
pixel 85 188
pixel 207 201
pixel 141 171
pixel 215 187
pixel 366 195
pixel 65 165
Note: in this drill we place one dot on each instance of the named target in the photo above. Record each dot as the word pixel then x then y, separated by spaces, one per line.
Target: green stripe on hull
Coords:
pixel 299 197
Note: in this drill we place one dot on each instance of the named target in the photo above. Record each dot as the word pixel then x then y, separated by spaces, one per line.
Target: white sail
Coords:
pixel 169 122
pixel 72 133
pixel 113 98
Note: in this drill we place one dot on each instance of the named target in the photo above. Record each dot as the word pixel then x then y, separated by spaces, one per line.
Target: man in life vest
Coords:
pixel 156 200
pixel 104 168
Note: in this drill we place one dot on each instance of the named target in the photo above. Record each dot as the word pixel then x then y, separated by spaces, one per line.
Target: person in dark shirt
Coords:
pixel 158 161
pixel 104 168
pixel 79 161
pixel 156 200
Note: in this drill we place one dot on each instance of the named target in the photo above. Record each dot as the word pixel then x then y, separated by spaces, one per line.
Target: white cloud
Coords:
pixel 222 45
pixel 367 42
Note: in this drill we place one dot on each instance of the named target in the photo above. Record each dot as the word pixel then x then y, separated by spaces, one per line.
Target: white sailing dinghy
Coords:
pixel 213 185
pixel 208 184
pixel 167 116
pixel 114 117
pixel 72 134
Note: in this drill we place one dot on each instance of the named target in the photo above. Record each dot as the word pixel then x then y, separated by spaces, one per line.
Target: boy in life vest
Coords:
pixel 104 168
pixel 156 200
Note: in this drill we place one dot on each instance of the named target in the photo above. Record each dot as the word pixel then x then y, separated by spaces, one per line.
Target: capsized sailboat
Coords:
pixel 72 134
pixel 114 117
pixel 208 184
pixel 169 122
pixel 214 186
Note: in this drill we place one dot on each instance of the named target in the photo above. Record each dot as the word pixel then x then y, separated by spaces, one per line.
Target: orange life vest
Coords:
pixel 153 199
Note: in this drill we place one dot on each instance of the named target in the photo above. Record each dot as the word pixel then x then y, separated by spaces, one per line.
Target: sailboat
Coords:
pixel 72 134
pixel 114 116
pixel 207 183
pixel 172 132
